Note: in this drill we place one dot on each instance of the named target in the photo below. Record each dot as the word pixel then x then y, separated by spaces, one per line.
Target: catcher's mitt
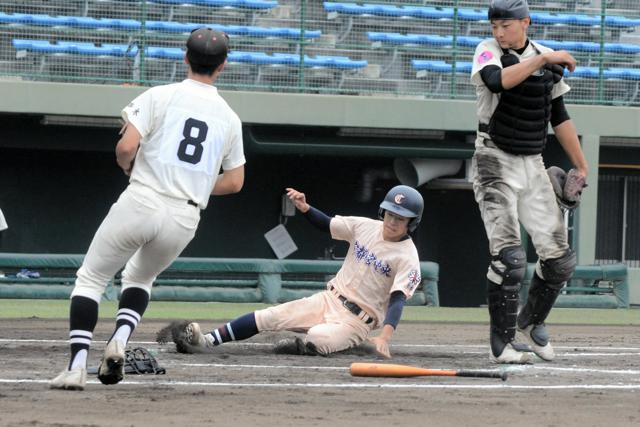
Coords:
pixel 567 186
pixel 176 332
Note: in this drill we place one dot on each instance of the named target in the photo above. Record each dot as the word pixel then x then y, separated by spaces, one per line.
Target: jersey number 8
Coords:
pixel 193 155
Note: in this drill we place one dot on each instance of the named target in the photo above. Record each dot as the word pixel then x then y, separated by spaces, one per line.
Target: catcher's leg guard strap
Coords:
pixel 503 310
pixel 542 296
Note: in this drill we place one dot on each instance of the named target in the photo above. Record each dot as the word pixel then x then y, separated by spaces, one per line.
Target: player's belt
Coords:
pixel 192 203
pixel 352 307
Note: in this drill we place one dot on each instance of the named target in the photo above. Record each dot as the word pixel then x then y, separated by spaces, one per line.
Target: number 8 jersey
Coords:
pixel 188 133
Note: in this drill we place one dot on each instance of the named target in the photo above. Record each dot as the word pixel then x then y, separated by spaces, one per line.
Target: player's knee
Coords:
pixel 266 319
pixel 556 271
pixel 144 286
pixel 511 265
pixel 89 286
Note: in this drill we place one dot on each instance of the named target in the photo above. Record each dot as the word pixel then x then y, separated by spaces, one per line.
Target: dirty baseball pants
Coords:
pixel 327 323
pixel 144 230
pixel 512 190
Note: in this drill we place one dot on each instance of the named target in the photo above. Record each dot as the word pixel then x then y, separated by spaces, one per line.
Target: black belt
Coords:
pixel 192 203
pixel 483 127
pixel 353 307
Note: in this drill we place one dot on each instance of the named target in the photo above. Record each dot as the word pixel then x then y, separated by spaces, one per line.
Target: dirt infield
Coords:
pixel 595 381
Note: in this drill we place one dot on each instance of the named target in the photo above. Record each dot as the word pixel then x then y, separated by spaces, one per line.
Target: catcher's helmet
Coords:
pixel 207 47
pixel 508 9
pixel 404 201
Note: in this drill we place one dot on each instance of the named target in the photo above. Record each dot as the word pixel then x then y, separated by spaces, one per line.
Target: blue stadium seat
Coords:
pixel 428 39
pixel 131 24
pixel 440 66
pixel 43 46
pixel 243 30
pixel 68 21
pixel 471 41
pixel 81 48
pixel 243 4
pixel 473 14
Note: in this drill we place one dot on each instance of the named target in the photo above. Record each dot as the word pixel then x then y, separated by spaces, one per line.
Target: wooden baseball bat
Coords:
pixel 391 370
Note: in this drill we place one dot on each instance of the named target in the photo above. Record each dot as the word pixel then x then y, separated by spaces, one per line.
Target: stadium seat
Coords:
pixel 162 26
pixel 243 4
pixel 439 13
pixel 470 41
pixel 43 46
pixel 68 21
pixel 440 66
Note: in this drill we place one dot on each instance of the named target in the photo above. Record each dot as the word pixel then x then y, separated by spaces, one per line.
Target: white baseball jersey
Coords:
pixel 488 52
pixel 373 268
pixel 188 133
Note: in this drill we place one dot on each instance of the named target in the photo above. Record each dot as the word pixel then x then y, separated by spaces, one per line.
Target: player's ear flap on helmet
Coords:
pixel 404 201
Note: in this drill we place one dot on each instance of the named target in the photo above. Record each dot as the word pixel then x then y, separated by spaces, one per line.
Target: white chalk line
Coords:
pixel 352 385
pixel 445 346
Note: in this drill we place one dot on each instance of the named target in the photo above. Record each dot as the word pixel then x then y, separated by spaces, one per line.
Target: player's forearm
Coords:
pixel 225 186
pixel 514 75
pixel 125 154
pixel 229 182
pixel 568 138
pixel 386 332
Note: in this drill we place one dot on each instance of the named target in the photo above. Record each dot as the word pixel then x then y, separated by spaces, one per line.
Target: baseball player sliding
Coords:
pixel 380 272
pixel 179 136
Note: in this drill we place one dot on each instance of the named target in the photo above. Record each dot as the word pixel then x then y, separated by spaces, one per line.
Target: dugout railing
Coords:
pixel 194 279
pixel 592 286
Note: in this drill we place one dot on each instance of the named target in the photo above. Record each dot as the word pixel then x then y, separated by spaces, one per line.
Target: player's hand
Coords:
pixel 298 199
pixel 561 57
pixel 382 346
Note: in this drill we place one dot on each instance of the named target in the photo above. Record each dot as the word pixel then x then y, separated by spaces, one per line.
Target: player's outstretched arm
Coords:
pixel 298 199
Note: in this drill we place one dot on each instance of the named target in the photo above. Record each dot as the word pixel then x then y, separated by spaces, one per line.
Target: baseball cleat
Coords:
pixel 538 339
pixel 74 379
pixel 195 337
pixel 510 355
pixel 111 370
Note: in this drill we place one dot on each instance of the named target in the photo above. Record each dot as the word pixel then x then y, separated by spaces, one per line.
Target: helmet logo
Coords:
pixel 399 198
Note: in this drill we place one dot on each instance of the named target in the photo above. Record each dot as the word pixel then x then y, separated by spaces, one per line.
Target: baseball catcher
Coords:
pixel 520 90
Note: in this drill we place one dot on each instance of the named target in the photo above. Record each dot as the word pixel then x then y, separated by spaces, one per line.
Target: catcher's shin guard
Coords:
pixel 503 310
pixel 542 296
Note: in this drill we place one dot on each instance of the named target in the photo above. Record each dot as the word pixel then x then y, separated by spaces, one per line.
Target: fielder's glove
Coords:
pixel 567 186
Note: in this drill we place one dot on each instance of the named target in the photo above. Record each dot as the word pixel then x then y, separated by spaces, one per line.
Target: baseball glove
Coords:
pixel 176 332
pixel 573 187
pixel 567 186
pixel 137 361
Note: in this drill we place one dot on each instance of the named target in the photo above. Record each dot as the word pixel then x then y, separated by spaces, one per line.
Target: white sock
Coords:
pixel 80 361
pixel 122 334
